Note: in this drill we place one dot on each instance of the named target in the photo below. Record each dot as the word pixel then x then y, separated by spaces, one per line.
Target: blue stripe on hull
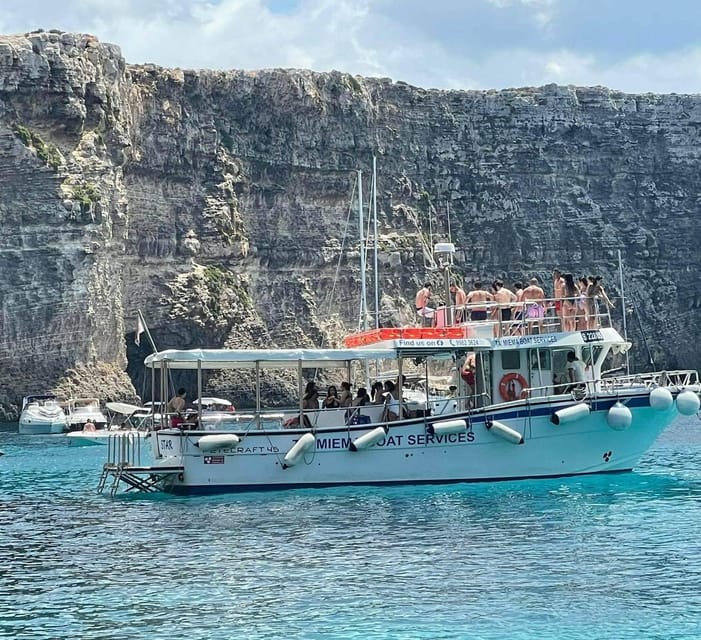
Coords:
pixel 182 490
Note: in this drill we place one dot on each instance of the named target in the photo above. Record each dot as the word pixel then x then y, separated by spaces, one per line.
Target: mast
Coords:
pixel 623 309
pixel 363 320
pixel 375 242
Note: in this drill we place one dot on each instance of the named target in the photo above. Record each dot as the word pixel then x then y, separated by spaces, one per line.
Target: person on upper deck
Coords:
pixel 459 296
pixel 569 303
pixel 423 296
pixel 582 307
pixel 595 293
pixel 533 298
pixel 505 297
pixel 517 314
pixel 558 291
pixel 475 297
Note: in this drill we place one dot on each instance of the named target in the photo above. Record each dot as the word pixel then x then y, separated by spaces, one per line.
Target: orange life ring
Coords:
pixel 507 386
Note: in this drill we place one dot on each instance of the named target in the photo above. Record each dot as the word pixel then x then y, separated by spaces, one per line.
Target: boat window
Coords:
pixel 560 360
pixel 591 354
pixel 510 360
pixel 540 359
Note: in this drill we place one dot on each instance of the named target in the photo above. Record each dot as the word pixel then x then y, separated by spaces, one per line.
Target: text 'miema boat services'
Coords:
pixel 514 422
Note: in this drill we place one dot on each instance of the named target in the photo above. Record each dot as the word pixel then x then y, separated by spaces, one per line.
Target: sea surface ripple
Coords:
pixel 591 557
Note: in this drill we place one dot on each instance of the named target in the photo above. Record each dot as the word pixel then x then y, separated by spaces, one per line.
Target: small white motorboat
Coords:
pixel 126 419
pixel 41 414
pixel 80 411
pixel 101 436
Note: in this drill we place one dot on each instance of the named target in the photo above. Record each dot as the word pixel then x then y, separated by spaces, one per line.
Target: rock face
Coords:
pixel 219 204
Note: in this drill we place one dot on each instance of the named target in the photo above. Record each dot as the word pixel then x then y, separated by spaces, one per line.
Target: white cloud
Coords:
pixel 447 43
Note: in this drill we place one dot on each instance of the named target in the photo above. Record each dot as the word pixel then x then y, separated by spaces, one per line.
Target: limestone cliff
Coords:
pixel 218 203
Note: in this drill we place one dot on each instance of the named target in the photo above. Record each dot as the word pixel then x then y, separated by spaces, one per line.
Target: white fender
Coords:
pixel 661 399
pixel 570 414
pixel 446 426
pixel 293 456
pixel 368 439
pixel 504 431
pixel 688 403
pixel 217 441
pixel 619 417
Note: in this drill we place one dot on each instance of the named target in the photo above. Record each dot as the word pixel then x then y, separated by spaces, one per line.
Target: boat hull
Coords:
pixel 415 452
pixel 33 426
pixel 99 437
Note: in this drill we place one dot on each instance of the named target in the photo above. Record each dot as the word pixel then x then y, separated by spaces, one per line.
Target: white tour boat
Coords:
pixel 80 411
pixel 518 419
pixel 41 414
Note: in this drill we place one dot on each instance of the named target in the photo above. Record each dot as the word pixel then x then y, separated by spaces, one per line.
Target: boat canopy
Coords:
pixel 266 358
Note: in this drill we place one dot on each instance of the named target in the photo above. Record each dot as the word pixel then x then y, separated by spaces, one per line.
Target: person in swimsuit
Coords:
pixel 331 400
pixel 582 307
pixel 533 298
pixel 346 397
pixel 476 296
pixel 310 399
pixel 595 292
pixel 505 297
pixel 569 303
pixel 175 407
pixel 423 295
pixel 460 296
pixel 558 292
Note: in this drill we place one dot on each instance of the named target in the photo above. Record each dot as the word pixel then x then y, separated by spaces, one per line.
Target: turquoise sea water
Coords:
pixel 595 557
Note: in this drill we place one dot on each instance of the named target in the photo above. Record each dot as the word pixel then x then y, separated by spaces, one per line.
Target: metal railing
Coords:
pixel 124 450
pixel 613 384
pixel 550 315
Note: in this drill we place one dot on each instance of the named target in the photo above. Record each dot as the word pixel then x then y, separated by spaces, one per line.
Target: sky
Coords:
pixel 635 46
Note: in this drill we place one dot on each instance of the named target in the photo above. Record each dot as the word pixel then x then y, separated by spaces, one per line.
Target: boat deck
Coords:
pixel 455 322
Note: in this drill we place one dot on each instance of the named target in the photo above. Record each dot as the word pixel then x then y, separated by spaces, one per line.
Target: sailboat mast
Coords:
pixel 623 310
pixel 363 320
pixel 375 242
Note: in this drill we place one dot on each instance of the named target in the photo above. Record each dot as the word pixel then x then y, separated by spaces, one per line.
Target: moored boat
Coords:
pixel 126 419
pixel 517 420
pixel 41 414
pixel 80 411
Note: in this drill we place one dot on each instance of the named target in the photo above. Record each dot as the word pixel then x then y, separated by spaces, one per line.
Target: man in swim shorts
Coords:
pixel 423 295
pixel 476 296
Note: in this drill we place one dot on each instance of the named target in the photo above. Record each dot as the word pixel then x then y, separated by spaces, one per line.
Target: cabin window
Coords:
pixel 540 359
pixel 560 360
pixel 590 354
pixel 510 360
